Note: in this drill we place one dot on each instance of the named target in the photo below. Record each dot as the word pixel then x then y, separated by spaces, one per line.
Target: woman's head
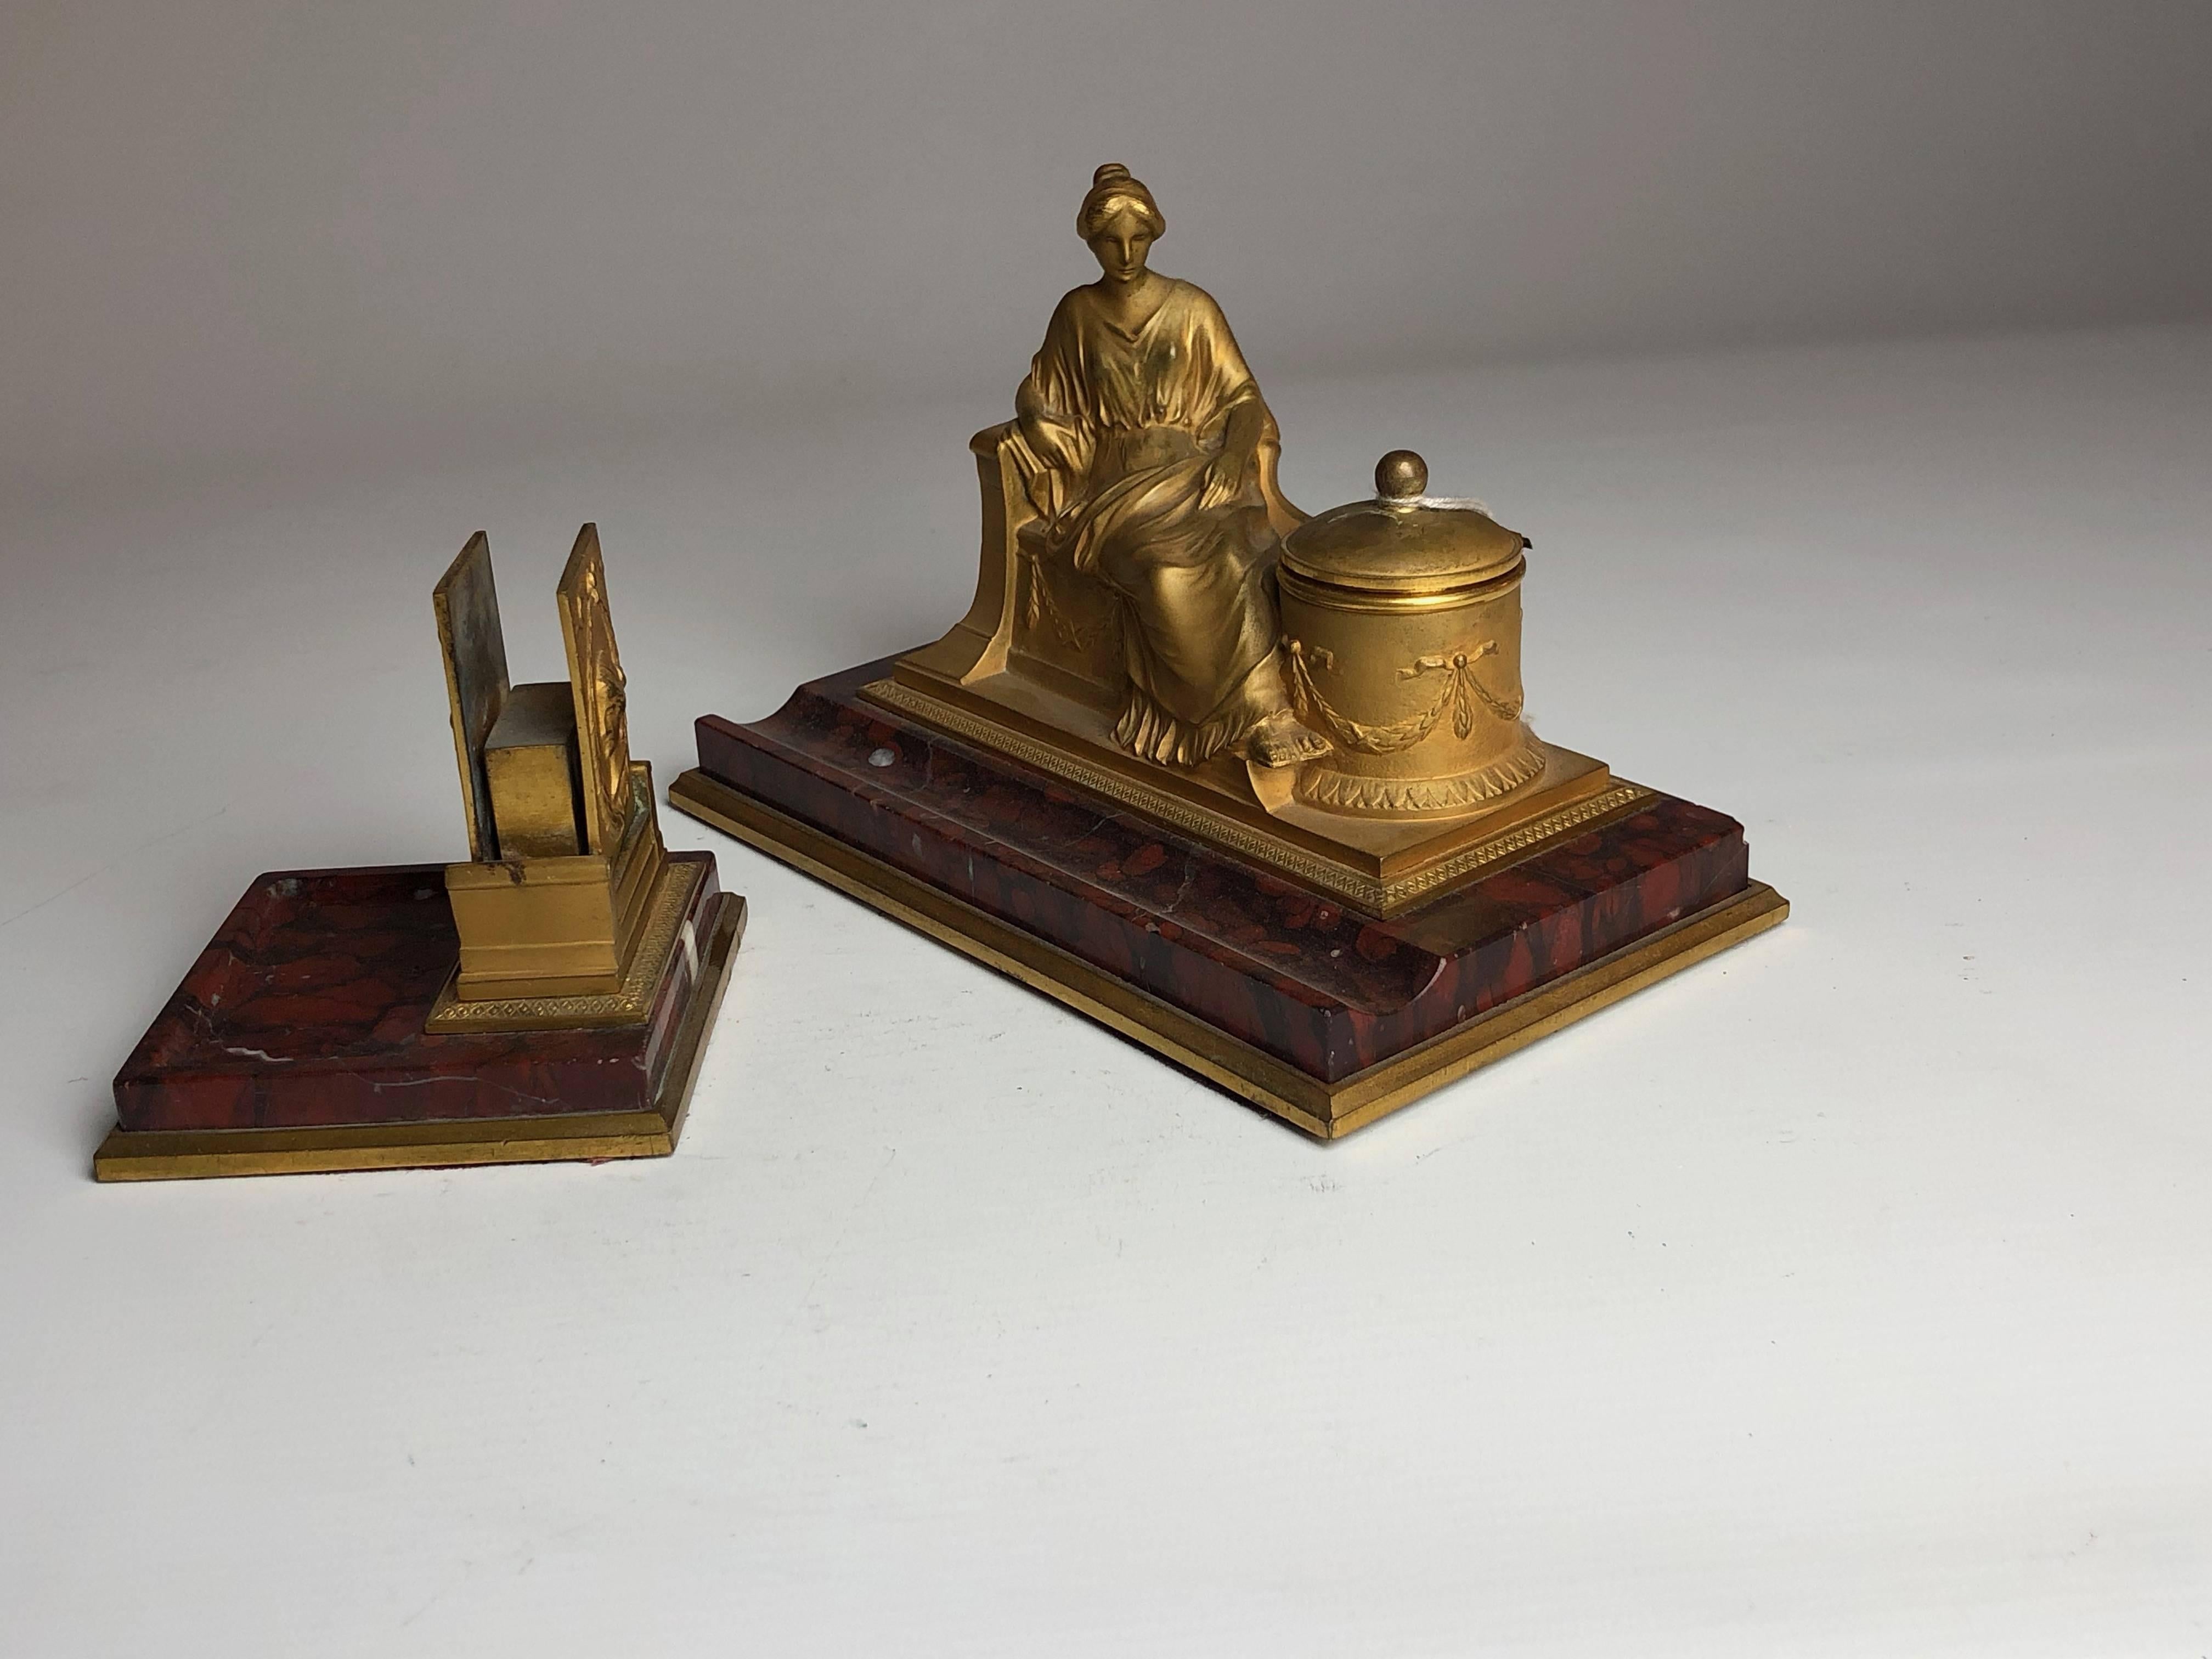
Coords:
pixel 1121 222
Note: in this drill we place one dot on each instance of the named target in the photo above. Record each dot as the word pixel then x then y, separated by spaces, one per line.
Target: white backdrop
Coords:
pixel 339 235
pixel 1845 1295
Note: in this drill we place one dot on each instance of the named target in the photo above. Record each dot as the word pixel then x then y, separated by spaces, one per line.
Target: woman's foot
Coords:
pixel 1283 740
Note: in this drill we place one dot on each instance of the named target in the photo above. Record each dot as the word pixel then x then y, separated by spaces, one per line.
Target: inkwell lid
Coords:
pixel 1404 540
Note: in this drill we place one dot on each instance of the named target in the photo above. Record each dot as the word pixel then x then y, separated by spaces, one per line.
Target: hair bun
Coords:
pixel 1111 187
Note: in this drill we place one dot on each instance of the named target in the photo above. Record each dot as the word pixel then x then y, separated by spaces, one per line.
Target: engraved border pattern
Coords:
pixel 1364 890
pixel 1354 790
pixel 672 900
pixel 1513 842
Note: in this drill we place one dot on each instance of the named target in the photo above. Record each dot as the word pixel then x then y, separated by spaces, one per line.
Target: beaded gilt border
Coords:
pixel 1381 894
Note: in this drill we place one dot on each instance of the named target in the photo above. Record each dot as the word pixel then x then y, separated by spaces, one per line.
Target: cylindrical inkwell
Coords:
pixel 1402 621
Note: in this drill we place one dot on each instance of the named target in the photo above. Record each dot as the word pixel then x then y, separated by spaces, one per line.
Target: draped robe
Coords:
pixel 1118 429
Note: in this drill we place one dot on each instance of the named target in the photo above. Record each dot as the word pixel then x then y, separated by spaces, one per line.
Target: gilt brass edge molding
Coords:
pixel 195 1154
pixel 1325 1111
pixel 1385 895
pixel 452 1143
pixel 1515 843
pixel 673 888
pixel 1384 1087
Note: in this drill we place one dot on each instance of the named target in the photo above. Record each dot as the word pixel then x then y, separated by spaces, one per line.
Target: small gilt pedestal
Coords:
pixel 548 999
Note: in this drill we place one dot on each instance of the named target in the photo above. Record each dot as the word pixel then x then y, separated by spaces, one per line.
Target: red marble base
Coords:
pixel 296 1041
pixel 1316 1007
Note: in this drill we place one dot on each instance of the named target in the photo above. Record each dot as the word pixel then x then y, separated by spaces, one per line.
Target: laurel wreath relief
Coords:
pixel 1460 692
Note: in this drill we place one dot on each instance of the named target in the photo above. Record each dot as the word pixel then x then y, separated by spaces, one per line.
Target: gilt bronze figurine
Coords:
pixel 1254 788
pixel 1137 443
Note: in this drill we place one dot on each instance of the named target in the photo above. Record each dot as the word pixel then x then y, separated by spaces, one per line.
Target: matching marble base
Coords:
pixel 297 1043
pixel 1292 998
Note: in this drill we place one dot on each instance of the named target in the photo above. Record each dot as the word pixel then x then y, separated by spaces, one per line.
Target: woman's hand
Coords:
pixel 1238 457
pixel 1225 474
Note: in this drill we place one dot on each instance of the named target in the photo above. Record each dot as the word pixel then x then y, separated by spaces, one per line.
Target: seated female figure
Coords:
pixel 1139 429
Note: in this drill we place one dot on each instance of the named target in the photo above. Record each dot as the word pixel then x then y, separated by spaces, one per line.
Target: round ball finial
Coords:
pixel 1401 476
